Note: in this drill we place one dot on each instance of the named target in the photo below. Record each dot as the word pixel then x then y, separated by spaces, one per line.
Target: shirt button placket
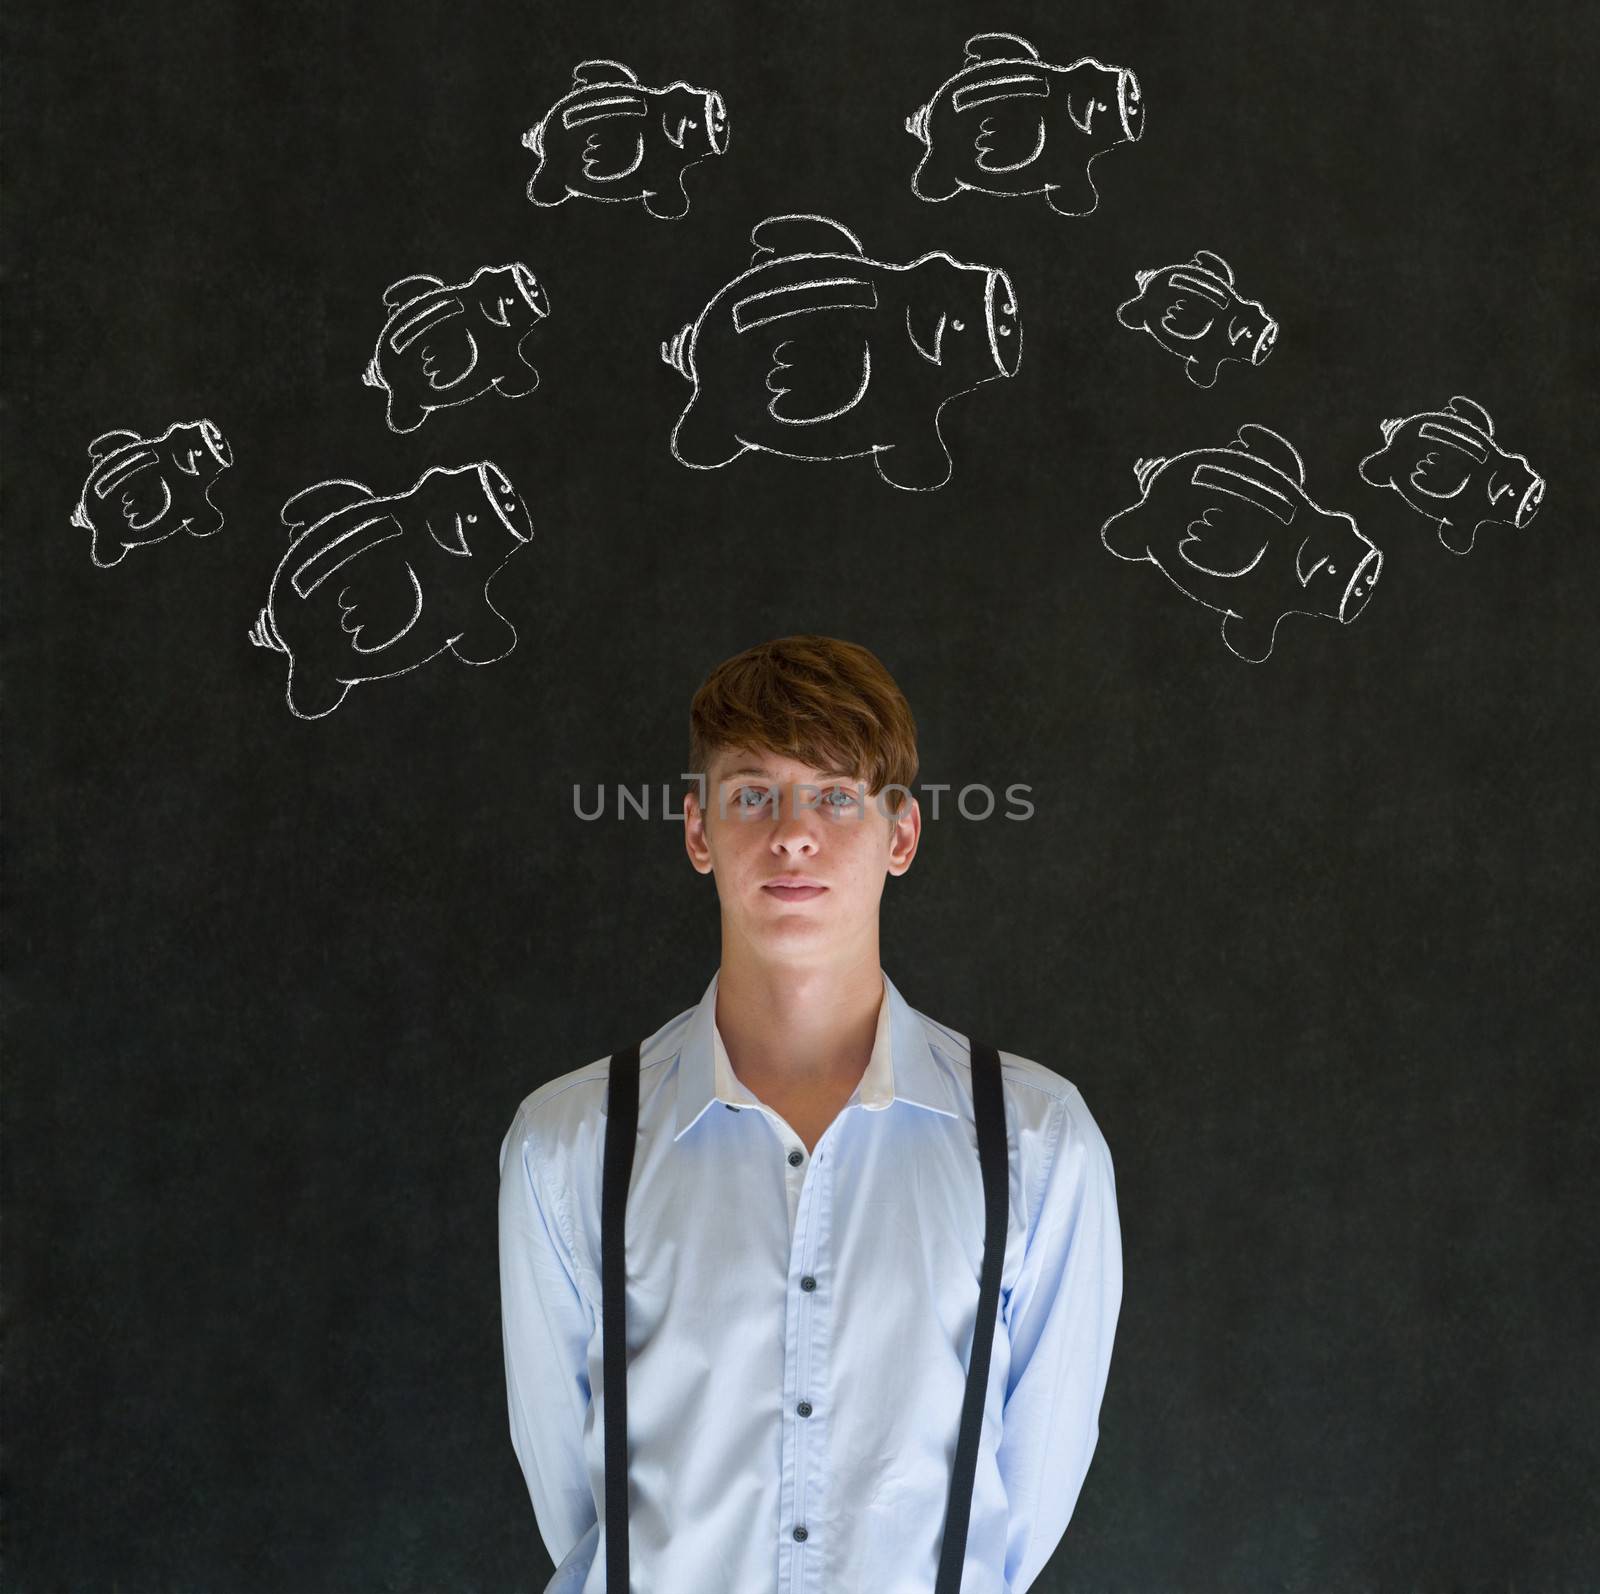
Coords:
pixel 804 1408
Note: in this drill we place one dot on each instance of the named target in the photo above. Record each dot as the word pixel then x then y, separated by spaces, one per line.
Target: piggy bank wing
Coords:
pixel 817 375
pixel 1223 538
pixel 379 599
pixel 139 491
pixel 613 148
pixel 1443 467
pixel 448 356
pixel 1196 304
pixel 1009 136
pixel 438 338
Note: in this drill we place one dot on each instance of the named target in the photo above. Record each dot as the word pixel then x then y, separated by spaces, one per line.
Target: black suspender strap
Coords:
pixel 622 1125
pixel 988 1105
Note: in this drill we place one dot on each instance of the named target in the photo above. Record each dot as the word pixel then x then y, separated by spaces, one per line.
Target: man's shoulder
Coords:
pixel 1043 1102
pixel 1016 1071
pixel 552 1110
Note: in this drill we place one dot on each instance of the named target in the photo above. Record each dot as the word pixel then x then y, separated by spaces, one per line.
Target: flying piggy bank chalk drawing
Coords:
pixel 1447 466
pixel 1234 528
pixel 374 586
pixel 142 489
pixel 817 352
pixel 1010 123
pixel 610 137
pixel 1194 311
pixel 444 345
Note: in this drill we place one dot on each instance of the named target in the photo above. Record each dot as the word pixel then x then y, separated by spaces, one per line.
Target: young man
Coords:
pixel 805 1217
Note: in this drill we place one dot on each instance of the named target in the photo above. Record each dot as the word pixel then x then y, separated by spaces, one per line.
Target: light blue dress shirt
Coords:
pixel 799 1326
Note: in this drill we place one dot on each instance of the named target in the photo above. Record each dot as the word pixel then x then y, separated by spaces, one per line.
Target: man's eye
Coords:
pixel 841 791
pixel 743 792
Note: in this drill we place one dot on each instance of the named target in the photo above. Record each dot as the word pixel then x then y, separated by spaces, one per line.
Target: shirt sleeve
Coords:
pixel 545 1325
pixel 1061 1318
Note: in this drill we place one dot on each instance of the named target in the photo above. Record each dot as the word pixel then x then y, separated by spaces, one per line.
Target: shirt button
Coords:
pixel 808 1283
pixel 804 1408
pixel 800 1533
pixel 796 1158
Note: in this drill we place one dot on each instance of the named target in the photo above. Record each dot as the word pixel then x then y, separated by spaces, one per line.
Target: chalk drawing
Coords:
pixel 1194 311
pixel 445 344
pixel 1010 123
pixel 817 352
pixel 1446 465
pixel 609 137
pixel 1234 529
pixel 373 586
pixel 143 489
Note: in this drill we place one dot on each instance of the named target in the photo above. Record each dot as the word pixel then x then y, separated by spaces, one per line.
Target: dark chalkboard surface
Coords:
pixel 1314 933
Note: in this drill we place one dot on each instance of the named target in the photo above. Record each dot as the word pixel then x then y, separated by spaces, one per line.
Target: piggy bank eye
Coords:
pixel 691 123
pixel 958 326
pixel 1333 570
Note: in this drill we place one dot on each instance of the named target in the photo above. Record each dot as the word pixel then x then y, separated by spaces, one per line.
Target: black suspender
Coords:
pixel 622 1125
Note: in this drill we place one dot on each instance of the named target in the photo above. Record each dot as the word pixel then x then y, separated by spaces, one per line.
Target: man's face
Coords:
pixel 767 818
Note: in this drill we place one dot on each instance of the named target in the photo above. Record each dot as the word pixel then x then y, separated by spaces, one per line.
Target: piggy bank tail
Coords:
pixel 370 375
pixel 264 634
pixel 1144 469
pixel 676 351
pixel 917 123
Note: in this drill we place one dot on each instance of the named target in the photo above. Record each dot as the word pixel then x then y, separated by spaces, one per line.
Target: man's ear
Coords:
pixel 694 833
pixel 904 834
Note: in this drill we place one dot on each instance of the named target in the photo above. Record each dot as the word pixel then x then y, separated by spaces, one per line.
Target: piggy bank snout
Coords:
pixel 1005 325
pixel 1130 105
pixel 1529 506
pixel 1359 587
pixel 216 442
pixel 716 123
pixel 528 286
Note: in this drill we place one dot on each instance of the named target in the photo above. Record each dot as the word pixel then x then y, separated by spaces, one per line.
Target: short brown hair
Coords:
pixel 826 703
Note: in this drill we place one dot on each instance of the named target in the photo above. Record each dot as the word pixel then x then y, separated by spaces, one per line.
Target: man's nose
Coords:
pixel 794 819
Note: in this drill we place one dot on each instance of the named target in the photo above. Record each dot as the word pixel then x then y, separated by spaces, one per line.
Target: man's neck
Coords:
pixel 805 1029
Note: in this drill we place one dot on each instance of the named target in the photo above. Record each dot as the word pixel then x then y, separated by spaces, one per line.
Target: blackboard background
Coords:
pixel 1315 938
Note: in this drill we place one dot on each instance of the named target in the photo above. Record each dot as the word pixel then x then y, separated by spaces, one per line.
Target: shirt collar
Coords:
pixel 902 1066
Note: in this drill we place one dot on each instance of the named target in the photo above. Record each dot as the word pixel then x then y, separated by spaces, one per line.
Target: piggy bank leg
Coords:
pixel 104 552
pixel 520 381
pixel 547 186
pixel 699 441
pixel 919 464
pixel 1073 199
pixel 490 636
pixel 669 200
pixel 311 695
pixel 1201 371
pixel 1457 537
pixel 933 179
pixel 405 415
pixel 1250 636
pixel 1371 469
pixel 208 524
